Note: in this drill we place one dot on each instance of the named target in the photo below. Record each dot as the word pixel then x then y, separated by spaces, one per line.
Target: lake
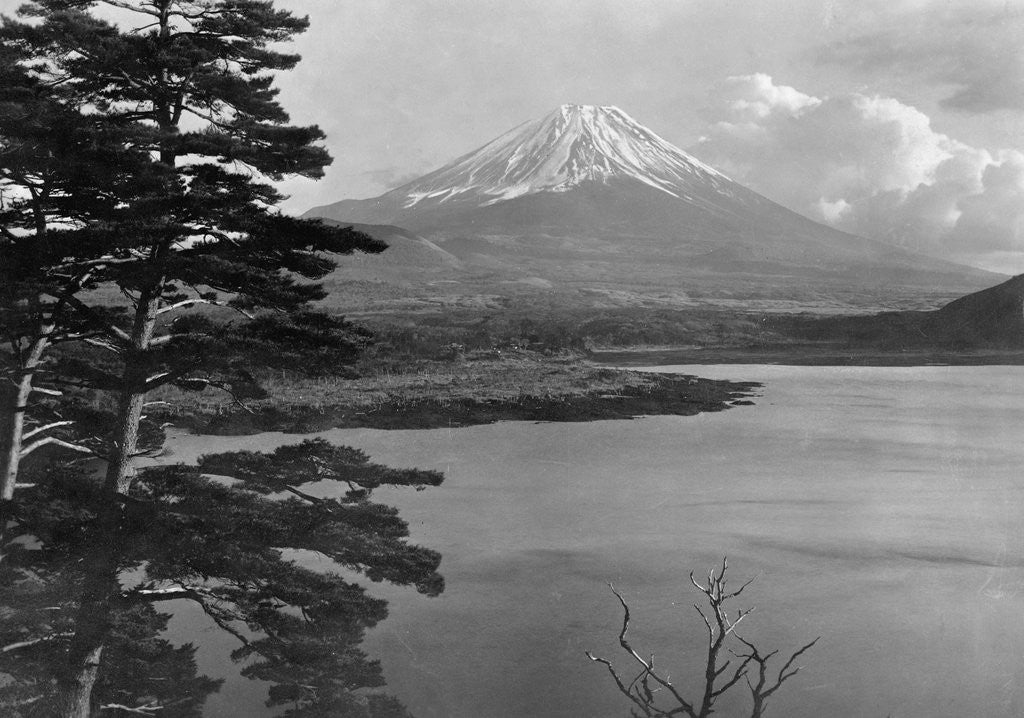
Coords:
pixel 880 508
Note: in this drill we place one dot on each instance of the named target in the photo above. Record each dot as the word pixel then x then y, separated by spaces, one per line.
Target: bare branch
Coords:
pixel 644 698
pixel 198 594
pixel 719 677
pixel 150 709
pixel 628 692
pixel 785 674
pixel 738 591
pixel 56 442
pixel 198 300
pixel 186 303
pixel 169 378
pixel 103 344
pixel 35 641
pixel 45 427
pixel 108 327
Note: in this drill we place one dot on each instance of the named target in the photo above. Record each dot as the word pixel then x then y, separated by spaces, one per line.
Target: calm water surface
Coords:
pixel 881 508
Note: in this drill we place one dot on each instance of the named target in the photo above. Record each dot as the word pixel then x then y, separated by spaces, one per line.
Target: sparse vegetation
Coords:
pixel 479 387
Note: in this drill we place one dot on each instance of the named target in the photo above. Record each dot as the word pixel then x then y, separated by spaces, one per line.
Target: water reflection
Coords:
pixel 87 586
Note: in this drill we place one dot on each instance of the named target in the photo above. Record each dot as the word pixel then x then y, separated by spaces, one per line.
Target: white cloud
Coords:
pixel 756 96
pixel 869 165
pixel 993 218
pixel 832 212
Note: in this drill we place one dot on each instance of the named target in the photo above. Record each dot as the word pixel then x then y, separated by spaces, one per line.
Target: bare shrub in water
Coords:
pixel 655 696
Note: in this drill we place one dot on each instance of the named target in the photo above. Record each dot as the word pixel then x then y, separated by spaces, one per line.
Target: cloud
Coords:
pixel 390 177
pixel 756 96
pixel 993 218
pixel 971 49
pixel 869 165
pixel 832 212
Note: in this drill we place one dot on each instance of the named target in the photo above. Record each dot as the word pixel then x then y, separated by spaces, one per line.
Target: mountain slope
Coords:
pixel 405 249
pixel 610 200
pixel 574 146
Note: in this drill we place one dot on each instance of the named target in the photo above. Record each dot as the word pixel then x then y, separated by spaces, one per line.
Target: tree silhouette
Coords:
pixel 71 641
pixel 189 87
pixel 84 578
pixel 60 169
pixel 654 695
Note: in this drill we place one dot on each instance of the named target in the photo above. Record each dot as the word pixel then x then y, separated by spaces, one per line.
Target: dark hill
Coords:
pixel 990 319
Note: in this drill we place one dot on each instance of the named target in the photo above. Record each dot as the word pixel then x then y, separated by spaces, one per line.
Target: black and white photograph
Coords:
pixel 512 358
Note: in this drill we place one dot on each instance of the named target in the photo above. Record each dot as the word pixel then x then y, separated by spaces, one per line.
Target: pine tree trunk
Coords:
pixel 121 464
pixel 121 467
pixel 77 678
pixel 14 430
pixel 74 691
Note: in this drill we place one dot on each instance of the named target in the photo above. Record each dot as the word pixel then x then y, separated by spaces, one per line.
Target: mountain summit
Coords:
pixel 572 145
pixel 586 194
pixel 570 148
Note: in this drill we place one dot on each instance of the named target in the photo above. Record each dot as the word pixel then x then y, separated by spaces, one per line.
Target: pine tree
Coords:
pixel 79 604
pixel 60 168
pixel 191 84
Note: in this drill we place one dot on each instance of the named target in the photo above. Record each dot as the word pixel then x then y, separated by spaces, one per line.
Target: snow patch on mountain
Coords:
pixel 572 145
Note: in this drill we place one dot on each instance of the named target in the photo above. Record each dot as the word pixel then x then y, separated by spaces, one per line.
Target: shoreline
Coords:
pixel 625 395
pixel 802 355
pixel 528 386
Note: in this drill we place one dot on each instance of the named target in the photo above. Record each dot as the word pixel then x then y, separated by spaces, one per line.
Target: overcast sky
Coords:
pixel 897 119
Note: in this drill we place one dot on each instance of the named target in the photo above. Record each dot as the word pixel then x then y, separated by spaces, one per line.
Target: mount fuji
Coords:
pixel 587 195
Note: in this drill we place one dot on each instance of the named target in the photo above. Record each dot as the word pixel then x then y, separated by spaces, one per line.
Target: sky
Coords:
pixel 901 120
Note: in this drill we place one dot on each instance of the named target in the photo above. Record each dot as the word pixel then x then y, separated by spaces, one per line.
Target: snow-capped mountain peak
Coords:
pixel 572 145
pixel 587 194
